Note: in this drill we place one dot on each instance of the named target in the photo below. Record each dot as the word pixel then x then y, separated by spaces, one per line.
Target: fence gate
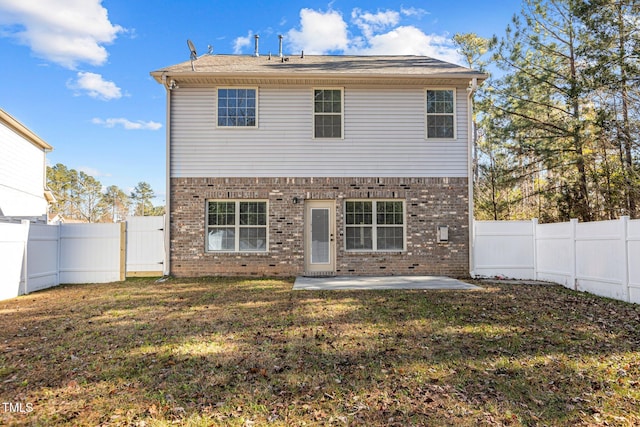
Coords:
pixel 145 246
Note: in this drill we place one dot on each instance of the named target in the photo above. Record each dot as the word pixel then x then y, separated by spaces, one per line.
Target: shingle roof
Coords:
pixel 320 65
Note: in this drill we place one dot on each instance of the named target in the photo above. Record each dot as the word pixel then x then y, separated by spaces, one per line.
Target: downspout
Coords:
pixel 167 209
pixel 473 86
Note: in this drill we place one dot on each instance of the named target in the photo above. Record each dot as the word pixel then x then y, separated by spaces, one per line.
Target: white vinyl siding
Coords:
pixel 384 136
pixel 21 176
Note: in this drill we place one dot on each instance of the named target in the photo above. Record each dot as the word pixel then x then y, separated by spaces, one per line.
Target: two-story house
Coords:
pixel 318 165
pixel 23 186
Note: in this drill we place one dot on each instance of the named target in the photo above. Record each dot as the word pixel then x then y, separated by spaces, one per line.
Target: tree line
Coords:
pixel 82 197
pixel 557 124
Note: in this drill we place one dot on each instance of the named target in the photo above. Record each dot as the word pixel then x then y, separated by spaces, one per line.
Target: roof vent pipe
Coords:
pixel 257 53
pixel 280 46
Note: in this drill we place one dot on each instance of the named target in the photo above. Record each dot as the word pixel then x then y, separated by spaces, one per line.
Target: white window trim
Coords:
pixel 313 113
pixel 237 127
pixel 236 226
pixel 374 226
pixel 426 115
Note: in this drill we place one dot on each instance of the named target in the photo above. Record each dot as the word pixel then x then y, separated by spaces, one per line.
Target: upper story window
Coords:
pixel 327 113
pixel 441 115
pixel 236 226
pixel 374 225
pixel 237 107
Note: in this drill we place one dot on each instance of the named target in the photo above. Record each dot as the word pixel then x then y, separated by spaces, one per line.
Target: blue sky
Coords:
pixel 76 72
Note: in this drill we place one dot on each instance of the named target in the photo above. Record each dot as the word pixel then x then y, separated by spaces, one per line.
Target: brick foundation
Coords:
pixel 429 202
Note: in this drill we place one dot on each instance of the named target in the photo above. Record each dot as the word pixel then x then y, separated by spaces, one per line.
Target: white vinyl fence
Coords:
pixel 43 257
pixel 145 246
pixel 598 257
pixel 38 256
pixel 13 245
pixel 92 253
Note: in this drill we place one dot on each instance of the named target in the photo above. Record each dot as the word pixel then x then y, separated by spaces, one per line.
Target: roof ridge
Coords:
pixel 336 65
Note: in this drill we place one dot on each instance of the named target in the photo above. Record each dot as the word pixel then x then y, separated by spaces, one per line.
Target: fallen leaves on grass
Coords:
pixel 251 352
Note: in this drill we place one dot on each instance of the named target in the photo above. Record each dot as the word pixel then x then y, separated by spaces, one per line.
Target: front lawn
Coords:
pixel 251 352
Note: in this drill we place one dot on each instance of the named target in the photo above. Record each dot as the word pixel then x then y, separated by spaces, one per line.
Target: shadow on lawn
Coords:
pixel 230 351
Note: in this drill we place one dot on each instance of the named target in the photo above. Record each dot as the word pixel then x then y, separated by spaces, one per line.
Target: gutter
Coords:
pixel 473 86
pixel 293 74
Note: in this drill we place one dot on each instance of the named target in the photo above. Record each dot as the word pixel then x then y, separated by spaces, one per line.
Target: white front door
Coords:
pixel 320 237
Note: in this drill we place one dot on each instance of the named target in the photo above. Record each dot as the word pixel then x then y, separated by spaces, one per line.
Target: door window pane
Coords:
pixel 320 236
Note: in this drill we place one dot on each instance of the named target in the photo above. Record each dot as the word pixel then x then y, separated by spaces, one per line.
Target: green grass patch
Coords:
pixel 222 351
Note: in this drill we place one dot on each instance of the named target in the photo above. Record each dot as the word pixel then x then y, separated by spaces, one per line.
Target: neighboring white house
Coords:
pixel 23 187
pixel 318 165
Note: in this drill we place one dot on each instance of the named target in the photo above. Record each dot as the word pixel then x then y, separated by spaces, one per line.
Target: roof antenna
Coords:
pixel 193 55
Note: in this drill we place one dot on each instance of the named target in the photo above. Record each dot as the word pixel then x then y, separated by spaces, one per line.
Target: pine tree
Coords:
pixel 143 194
pixel 61 181
pixel 540 101
pixel 118 203
pixel 613 66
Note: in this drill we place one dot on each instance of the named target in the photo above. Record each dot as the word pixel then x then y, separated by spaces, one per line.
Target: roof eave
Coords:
pixel 161 75
pixel 23 131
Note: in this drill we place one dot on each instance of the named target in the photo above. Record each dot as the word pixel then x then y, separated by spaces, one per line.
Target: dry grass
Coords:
pixel 252 352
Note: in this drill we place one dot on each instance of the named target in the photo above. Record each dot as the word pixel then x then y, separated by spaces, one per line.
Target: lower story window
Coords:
pixel 236 226
pixel 374 225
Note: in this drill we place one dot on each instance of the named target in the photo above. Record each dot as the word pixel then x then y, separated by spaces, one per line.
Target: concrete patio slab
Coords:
pixel 379 282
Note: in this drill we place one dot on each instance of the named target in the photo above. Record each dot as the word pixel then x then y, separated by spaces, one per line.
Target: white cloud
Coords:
pixel 410 40
pixel 95 86
pixel 370 23
pixel 67 32
pixel 412 11
pixel 319 33
pixel 127 124
pixel 378 33
pixel 241 42
pixel 92 171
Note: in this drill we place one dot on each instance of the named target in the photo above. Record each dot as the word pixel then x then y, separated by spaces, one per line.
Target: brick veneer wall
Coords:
pixel 429 202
